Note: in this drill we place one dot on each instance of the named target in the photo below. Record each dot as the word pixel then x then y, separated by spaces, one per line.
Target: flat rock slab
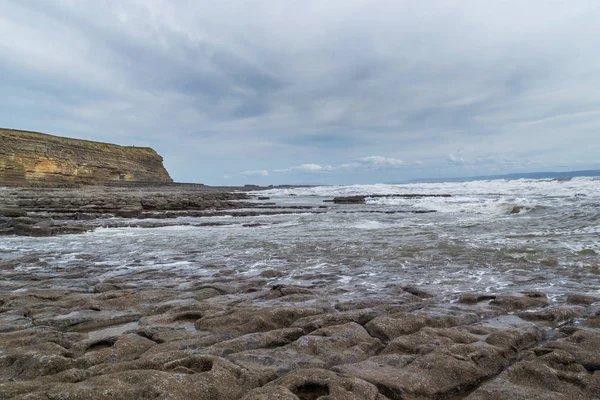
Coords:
pixel 322 348
pixel 315 384
pixel 73 333
pixel 82 321
pixel 439 364
pixel 562 369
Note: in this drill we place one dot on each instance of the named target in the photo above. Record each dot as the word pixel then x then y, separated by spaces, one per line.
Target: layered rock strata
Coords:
pixel 45 211
pixel 51 211
pixel 31 158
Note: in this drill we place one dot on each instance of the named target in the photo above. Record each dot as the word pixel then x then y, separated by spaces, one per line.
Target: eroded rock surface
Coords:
pixel 124 337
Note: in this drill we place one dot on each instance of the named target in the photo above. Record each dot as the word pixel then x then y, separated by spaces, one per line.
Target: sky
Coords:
pixel 308 92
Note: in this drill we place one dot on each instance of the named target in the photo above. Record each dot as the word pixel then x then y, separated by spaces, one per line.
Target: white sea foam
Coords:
pixel 367 224
pixel 580 186
pixel 492 197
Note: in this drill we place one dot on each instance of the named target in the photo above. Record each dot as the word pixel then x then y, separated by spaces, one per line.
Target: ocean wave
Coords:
pixel 579 186
pixel 461 204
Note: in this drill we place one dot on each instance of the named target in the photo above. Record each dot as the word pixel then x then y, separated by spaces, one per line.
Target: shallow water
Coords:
pixel 472 243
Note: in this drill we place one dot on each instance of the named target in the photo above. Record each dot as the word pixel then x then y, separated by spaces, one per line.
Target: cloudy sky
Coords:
pixel 336 91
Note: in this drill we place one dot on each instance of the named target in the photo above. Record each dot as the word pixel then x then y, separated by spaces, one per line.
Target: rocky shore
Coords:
pixel 72 334
pixel 77 331
pixel 31 211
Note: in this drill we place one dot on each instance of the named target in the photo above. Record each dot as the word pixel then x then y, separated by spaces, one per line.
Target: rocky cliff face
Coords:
pixel 37 158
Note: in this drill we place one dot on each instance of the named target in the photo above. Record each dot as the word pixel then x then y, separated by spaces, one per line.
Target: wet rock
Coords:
pixel 32 230
pixel 561 369
pixel 237 322
pixel 584 346
pixel 187 342
pixel 271 273
pixel 130 299
pixel 29 221
pixel 557 315
pixel 515 340
pixel 549 262
pixel 106 287
pixel 285 290
pixel 361 317
pixel 361 199
pixel 513 303
pixel 272 392
pixel 430 339
pixel 29 362
pixel 349 200
pixel 451 368
pixel 417 292
pixel 515 210
pixel 506 321
pixel 260 340
pixel 34 335
pixel 130 212
pixel 322 348
pixel 580 299
pixel 593 321
pixel 47 228
pixel 339 343
pixel 182 309
pixel 401 300
pixel 14 322
pixel 12 212
pixel 110 350
pixel 387 328
pixel 196 377
pixel 165 334
pixel 86 320
pixel 206 293
pixel 309 384
pixel 26 390
pixel 474 298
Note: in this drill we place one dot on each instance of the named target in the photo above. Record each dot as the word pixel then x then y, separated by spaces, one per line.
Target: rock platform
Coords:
pixel 76 331
pixel 44 211
pixel 69 333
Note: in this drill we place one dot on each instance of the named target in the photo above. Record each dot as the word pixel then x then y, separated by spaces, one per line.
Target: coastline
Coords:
pixel 49 211
pixel 81 330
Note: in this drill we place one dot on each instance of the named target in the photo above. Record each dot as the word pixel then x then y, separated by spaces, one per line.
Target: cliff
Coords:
pixel 37 158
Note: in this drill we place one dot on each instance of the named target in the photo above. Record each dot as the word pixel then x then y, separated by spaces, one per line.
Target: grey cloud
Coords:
pixel 258 85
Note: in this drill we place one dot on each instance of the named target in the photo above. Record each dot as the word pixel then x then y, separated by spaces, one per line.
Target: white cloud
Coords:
pixel 455 159
pixel 364 163
pixel 379 161
pixel 262 172
pixel 313 168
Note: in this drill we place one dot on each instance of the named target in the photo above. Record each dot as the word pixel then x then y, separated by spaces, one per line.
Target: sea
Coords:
pixel 490 236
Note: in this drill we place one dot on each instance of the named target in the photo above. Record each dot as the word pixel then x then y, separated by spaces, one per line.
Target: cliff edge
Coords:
pixel 37 158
